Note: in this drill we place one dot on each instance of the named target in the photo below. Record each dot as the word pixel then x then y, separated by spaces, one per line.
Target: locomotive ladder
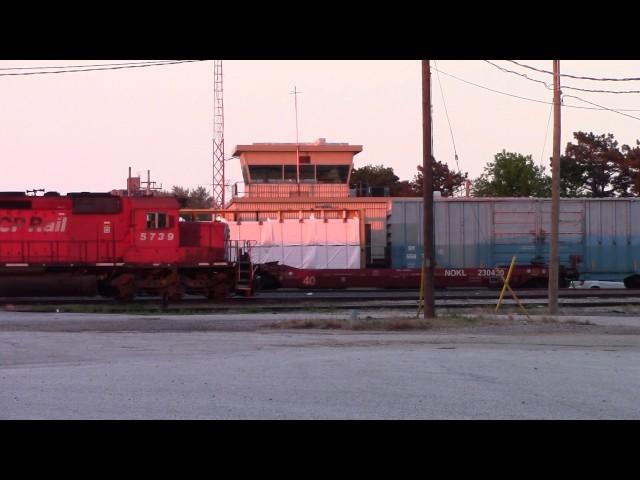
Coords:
pixel 244 272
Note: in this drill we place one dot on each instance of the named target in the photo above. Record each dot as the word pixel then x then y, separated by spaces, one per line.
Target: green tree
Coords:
pixel 373 176
pixel 180 192
pixel 403 188
pixel 444 180
pixel 380 176
pixel 594 166
pixel 571 177
pixel 512 175
pixel 632 162
pixel 197 198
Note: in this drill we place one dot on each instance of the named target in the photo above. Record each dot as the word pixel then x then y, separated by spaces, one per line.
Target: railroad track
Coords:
pixel 288 300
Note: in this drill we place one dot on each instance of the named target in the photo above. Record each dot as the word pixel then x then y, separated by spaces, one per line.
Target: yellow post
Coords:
pixel 506 282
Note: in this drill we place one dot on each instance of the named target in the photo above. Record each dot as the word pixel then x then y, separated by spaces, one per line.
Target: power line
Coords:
pixel 546 133
pixel 497 91
pixel 90 65
pixel 525 98
pixel 603 108
pixel 628 79
pixel 97 69
pixel 455 152
pixel 506 70
pixel 600 91
pixel 577 98
pixel 568 87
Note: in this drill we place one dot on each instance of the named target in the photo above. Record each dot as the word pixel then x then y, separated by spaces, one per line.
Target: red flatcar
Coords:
pixel 119 245
pixel 273 275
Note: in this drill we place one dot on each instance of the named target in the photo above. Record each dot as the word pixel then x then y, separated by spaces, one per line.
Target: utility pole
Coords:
pixel 555 194
pixel 427 170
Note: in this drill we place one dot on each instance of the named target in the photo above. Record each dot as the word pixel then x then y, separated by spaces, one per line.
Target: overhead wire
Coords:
pixel 526 98
pixel 101 68
pixel 497 91
pixel 599 107
pixel 628 79
pixel 42 67
pixel 592 90
pixel 572 96
pixel 506 70
pixel 546 134
pixel 568 87
pixel 619 112
pixel 455 152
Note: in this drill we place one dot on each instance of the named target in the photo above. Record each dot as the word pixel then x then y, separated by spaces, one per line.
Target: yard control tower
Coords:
pixel 310 176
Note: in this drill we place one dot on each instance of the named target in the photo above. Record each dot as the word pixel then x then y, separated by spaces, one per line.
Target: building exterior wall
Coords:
pixel 314 243
pixel 375 212
pixel 290 158
pixel 261 215
pixel 286 190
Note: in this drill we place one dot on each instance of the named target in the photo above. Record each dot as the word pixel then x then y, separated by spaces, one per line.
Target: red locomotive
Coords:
pixel 117 246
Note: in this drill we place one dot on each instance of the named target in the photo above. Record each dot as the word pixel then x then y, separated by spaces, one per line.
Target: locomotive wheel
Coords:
pixel 106 290
pixel 125 297
pixel 219 292
pixel 125 288
pixel 165 300
pixel 175 293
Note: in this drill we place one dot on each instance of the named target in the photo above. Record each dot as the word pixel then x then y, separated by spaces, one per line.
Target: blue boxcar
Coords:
pixel 604 234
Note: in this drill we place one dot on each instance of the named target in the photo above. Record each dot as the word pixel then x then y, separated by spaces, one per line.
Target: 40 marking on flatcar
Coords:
pixel 309 281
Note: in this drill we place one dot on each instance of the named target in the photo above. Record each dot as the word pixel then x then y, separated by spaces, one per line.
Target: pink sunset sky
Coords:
pixel 81 131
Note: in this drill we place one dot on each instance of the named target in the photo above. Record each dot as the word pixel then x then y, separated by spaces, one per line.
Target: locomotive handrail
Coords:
pixel 235 248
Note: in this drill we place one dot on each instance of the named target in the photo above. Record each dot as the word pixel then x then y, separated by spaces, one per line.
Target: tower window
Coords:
pixel 332 173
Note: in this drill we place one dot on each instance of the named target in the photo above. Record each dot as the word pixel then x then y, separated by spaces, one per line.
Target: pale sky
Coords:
pixel 81 131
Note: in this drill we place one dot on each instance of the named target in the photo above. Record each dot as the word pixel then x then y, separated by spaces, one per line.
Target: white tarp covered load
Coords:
pixel 310 243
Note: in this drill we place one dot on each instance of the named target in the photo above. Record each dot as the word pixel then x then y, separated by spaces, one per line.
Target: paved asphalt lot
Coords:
pixel 80 366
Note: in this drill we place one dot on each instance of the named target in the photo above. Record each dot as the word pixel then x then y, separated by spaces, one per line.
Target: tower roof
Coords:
pixel 320 145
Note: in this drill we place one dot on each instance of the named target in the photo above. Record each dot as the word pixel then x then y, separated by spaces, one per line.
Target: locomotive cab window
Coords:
pixel 157 220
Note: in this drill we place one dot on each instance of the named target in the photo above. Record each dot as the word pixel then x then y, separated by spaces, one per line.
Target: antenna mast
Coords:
pixel 295 102
pixel 218 137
